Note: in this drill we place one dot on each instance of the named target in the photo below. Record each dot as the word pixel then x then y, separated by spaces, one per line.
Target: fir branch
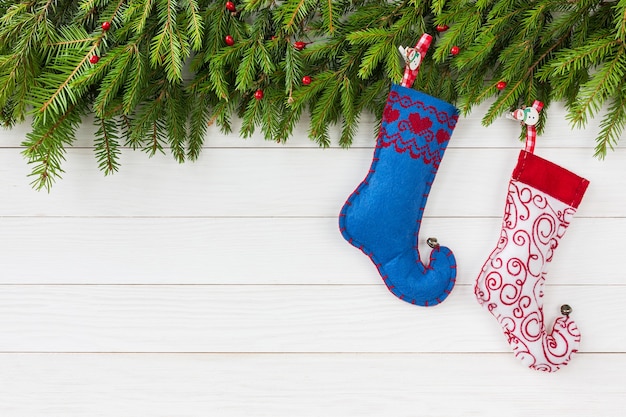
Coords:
pixel 167 48
pixel 45 147
pixel 292 68
pixel 221 116
pixel 247 70
pixel 117 66
pixel 251 117
pixel 136 81
pixel 117 15
pixel 13 20
pixel 200 118
pixel 324 113
pixel 11 80
pixel 375 53
pixel 478 52
pixel 328 16
pixel 294 12
pixel 148 127
pixel 468 23
pixel 287 122
pixel 46 7
pixel 612 124
pixel 263 58
pixel 272 108
pixel 377 46
pixel 620 20
pixel 367 36
pixel 219 84
pixel 138 13
pixel 124 127
pixel 156 138
pixel 302 96
pixel 571 18
pixel 497 8
pixel 547 50
pixel 349 112
pixel 88 5
pixel 58 101
pixel 579 58
pixel 176 109
pixel 107 146
pixel 436 6
pixel 513 93
pixel 601 85
pixel 195 25
pixel 373 96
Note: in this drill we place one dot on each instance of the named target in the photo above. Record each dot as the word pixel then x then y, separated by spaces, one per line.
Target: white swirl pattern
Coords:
pixel 511 282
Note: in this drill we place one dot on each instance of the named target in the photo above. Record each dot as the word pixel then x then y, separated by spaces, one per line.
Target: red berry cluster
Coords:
pixel 299 45
pixel 230 41
pixel 105 28
pixel 230 6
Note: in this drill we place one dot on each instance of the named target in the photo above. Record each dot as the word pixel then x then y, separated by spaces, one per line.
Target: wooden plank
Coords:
pixel 263 250
pixel 470 133
pixel 289 318
pixel 276 385
pixel 284 182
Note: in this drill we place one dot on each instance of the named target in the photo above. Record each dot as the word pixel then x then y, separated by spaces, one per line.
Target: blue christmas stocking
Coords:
pixel 382 217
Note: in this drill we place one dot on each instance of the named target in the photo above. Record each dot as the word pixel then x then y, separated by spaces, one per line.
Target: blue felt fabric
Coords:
pixel 382 217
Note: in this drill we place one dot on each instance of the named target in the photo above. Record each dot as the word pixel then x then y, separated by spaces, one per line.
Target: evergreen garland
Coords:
pixel 154 74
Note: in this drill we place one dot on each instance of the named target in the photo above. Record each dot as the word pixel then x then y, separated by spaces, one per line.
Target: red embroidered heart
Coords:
pixel 442 136
pixel 390 114
pixel 419 124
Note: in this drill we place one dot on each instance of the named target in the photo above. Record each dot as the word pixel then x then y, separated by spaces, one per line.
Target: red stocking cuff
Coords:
pixel 550 178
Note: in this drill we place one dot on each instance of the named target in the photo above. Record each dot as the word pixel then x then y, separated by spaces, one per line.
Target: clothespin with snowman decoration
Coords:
pixel 528 116
pixel 413 58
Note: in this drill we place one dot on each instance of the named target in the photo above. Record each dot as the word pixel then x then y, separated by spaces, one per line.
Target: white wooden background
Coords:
pixel 223 287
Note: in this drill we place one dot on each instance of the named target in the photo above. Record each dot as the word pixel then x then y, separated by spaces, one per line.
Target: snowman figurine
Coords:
pixel 411 56
pixel 527 115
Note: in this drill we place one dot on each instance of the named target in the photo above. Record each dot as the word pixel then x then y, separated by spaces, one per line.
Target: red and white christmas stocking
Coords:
pixel 541 201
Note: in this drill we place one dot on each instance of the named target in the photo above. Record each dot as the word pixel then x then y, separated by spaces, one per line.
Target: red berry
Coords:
pixel 106 26
pixel 442 28
pixel 501 85
pixel 306 80
pixel 299 45
pixel 455 50
pixel 94 59
pixel 258 94
pixel 229 40
pixel 230 6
